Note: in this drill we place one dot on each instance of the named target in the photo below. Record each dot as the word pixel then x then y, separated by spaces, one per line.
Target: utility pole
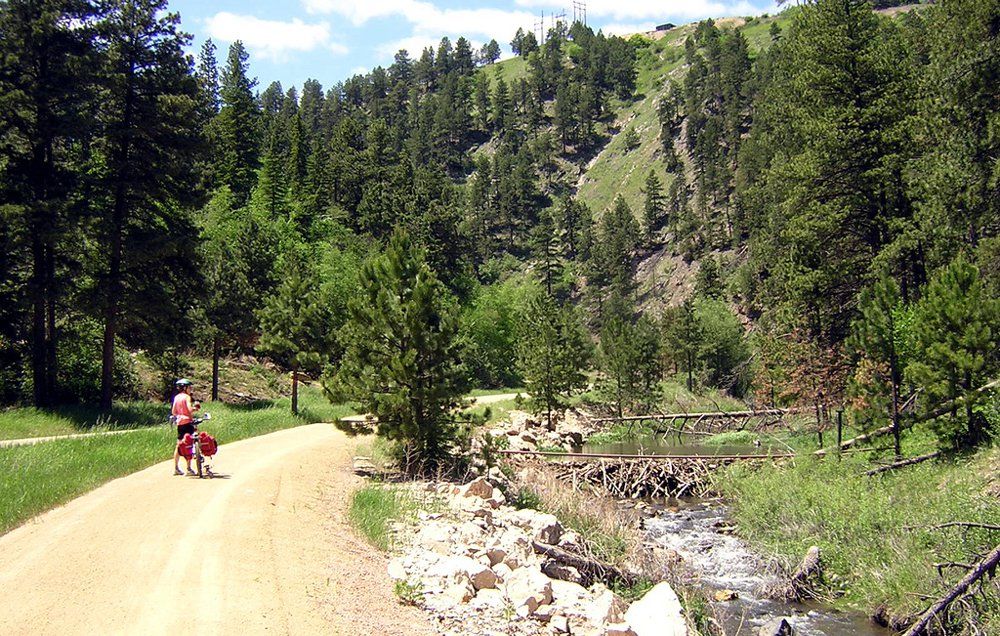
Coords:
pixel 580 12
pixel 540 28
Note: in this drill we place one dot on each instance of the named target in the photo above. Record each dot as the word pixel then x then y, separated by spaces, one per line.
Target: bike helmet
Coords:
pixel 183 382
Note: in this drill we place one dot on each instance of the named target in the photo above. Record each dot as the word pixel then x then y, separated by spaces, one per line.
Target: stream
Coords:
pixel 717 560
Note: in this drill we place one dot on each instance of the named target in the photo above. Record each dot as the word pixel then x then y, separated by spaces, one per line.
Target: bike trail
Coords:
pixel 264 548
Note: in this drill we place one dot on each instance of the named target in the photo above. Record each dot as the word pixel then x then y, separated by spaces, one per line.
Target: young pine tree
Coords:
pixel 403 355
pixel 957 340
pixel 296 326
pixel 553 354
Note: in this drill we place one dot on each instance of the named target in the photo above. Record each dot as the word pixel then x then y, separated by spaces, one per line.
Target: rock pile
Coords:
pixel 523 431
pixel 475 569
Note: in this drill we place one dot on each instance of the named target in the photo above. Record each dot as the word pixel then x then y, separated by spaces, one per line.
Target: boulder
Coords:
pixel 464 569
pixel 459 592
pixel 776 627
pixel 478 487
pixel 502 571
pixel 559 625
pixel 619 629
pixel 528 588
pixel 657 613
pixel 544 613
pixel 606 608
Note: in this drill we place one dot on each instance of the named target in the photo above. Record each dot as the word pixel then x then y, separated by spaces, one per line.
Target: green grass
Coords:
pixel 484 392
pixel 874 532
pixel 731 437
pixel 375 506
pixel 17 423
pixel 36 478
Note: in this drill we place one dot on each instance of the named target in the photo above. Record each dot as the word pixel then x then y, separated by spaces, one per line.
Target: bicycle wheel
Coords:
pixel 198 458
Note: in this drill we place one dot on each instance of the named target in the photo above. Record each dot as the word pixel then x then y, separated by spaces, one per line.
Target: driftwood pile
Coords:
pixel 641 478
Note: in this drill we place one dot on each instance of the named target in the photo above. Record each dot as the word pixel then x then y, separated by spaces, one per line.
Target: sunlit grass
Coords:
pixel 876 533
pixel 375 506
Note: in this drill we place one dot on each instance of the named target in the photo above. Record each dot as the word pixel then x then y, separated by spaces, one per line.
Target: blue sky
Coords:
pixel 330 40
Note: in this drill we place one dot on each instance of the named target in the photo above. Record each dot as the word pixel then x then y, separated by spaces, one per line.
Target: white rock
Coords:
pixel 459 592
pixel 528 588
pixel 396 569
pixel 502 571
pixel 544 613
pixel 657 613
pixel 606 608
pixel 559 625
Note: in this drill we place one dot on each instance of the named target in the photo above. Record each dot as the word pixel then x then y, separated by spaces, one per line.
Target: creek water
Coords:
pixel 715 560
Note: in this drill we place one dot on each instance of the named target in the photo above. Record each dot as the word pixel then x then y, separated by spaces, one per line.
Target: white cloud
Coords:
pixel 657 11
pixel 271 39
pixel 429 22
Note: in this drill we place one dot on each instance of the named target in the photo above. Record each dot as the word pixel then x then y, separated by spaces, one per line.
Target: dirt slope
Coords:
pixel 266 549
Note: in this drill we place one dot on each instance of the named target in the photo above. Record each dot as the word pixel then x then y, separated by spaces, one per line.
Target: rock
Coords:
pixel 396 569
pixel 555 570
pixel 559 625
pixel 607 608
pixel 573 437
pixel 528 588
pixel 619 629
pixel 528 437
pixel 776 627
pixel 459 592
pixel 478 487
pixel 502 571
pixel 657 613
pixel 550 532
pixel 723 596
pixel 544 613
pixel 464 569
pixel 496 555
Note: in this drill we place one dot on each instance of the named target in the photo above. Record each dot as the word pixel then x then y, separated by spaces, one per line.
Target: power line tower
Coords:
pixel 540 28
pixel 580 12
pixel 557 18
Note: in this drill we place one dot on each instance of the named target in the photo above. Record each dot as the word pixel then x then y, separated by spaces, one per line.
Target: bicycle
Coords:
pixel 200 446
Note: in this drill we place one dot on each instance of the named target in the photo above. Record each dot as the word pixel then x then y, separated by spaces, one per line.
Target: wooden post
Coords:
pixel 840 431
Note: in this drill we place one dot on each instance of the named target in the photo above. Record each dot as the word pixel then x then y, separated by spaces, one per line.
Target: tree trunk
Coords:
pixel 295 390
pixel 51 362
pixel 988 564
pixel 39 373
pixel 215 368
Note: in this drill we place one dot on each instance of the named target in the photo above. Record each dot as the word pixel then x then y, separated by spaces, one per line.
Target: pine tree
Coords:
pixel 684 336
pixel 553 353
pixel 879 334
pixel 956 342
pixel 146 151
pixel 238 126
pixel 296 327
pixel 43 113
pixel 629 359
pixel 655 206
pixel 403 358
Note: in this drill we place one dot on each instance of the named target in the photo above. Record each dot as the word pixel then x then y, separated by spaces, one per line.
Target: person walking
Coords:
pixel 182 411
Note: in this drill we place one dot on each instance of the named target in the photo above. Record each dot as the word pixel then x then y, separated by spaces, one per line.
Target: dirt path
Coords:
pixel 266 549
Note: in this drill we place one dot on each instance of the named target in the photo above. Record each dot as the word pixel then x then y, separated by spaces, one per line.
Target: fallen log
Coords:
pixel 854 440
pixel 586 565
pixel 987 565
pixel 901 463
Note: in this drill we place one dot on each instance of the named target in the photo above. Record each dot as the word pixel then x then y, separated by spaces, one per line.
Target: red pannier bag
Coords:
pixel 185 446
pixel 208 444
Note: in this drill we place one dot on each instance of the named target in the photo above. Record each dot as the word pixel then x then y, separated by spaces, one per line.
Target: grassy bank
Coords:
pixel 36 478
pixel 877 534
pixel 375 506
